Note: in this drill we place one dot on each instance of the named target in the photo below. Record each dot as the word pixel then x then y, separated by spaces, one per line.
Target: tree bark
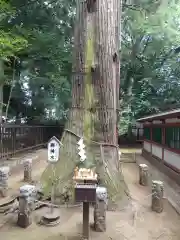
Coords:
pixel 68 155
pixel 107 47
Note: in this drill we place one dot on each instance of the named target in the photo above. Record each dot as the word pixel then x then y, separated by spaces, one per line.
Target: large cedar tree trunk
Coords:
pixel 107 46
pixel 95 94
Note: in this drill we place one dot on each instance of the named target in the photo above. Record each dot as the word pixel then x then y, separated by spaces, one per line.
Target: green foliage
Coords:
pixel 5 9
pixel 47 60
pixel 10 42
pixel 40 35
pixel 149 60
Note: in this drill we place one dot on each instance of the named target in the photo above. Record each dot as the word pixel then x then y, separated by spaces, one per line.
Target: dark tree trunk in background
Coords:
pixel 1 88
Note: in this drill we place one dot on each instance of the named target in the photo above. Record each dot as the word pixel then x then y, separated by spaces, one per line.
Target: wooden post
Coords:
pixel 163 139
pixel 137 136
pixel 85 220
pixel 151 132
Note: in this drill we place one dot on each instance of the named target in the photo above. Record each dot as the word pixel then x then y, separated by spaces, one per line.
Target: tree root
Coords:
pixel 104 158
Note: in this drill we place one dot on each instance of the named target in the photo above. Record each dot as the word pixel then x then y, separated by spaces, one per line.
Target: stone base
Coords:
pixel 3 192
pixel 51 219
pixel 24 220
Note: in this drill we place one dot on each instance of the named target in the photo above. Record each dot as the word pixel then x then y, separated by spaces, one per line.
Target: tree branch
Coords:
pixel 132 7
pixel 146 44
pixel 12 86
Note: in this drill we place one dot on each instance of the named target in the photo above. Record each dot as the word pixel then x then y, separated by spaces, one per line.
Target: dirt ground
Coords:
pixel 134 222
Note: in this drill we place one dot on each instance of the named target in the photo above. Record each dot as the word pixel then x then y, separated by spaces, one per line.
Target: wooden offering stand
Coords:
pixel 85 191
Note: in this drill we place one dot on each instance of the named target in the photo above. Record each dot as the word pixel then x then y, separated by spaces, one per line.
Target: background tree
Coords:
pixel 46 63
pixel 149 58
pixel 149 65
pixel 10 44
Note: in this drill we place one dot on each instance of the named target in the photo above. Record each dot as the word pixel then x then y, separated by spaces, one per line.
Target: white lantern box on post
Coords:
pixel 53 150
pixel 53 156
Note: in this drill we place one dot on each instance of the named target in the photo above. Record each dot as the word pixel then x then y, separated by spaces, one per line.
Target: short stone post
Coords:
pixel 143 174
pixel 28 170
pixel 157 196
pixel 26 204
pixel 4 175
pixel 100 209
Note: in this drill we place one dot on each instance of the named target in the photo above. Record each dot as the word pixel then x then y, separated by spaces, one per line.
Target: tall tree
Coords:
pixel 94 96
pixel 11 44
pixel 106 59
pixel 149 53
pixel 46 63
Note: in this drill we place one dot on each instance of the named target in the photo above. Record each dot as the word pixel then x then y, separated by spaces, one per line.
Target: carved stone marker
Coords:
pixel 4 175
pixel 143 174
pixel 28 170
pixel 157 196
pixel 100 209
pixel 26 203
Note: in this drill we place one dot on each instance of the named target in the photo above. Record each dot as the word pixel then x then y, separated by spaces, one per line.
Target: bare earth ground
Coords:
pixel 135 222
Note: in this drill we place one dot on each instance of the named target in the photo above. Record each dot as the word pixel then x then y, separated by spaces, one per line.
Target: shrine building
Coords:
pixel 161 140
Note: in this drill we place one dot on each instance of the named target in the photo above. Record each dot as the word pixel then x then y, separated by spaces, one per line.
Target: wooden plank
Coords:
pixel 85 220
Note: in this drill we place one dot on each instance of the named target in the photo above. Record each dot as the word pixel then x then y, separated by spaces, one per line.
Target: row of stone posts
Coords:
pixel 5 172
pixel 157 188
pixel 26 195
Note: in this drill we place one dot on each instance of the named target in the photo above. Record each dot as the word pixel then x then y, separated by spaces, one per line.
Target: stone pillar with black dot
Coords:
pixel 4 175
pixel 157 196
pixel 28 170
pixel 27 197
pixel 143 174
pixel 100 209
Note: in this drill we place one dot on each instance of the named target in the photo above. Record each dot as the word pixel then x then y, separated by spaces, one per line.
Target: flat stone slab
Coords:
pixel 51 219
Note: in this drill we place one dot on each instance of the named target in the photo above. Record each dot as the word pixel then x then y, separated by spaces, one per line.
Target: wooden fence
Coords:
pixel 19 138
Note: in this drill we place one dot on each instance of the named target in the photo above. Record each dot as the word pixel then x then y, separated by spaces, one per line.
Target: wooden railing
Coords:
pixel 138 133
pixel 19 138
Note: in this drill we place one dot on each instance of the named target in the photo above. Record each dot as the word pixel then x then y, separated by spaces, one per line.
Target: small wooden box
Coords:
pixel 85 193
